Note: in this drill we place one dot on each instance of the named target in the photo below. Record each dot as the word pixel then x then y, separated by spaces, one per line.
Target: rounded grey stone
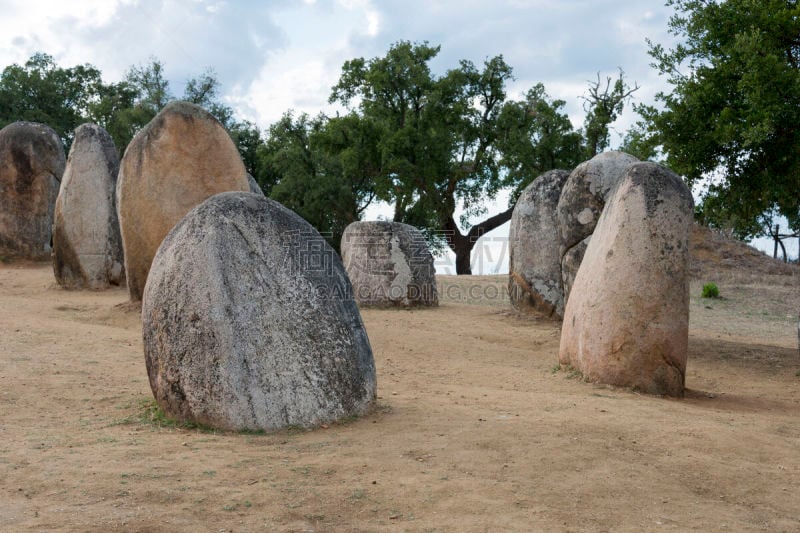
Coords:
pixel 389 264
pixel 254 186
pixel 249 322
pixel 582 201
pixel 534 283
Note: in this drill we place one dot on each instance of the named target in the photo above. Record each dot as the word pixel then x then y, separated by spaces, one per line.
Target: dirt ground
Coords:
pixel 475 429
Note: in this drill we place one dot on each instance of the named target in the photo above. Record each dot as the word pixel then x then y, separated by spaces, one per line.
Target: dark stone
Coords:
pixel 31 165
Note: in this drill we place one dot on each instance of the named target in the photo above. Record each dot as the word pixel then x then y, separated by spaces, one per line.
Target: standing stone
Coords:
pixel 31 165
pixel 534 282
pixel 389 264
pixel 249 322
pixel 179 159
pixel 87 247
pixel 582 200
pixel 626 322
pixel 254 186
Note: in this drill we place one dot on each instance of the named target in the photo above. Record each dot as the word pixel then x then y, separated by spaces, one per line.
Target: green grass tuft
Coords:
pixel 152 415
pixel 710 290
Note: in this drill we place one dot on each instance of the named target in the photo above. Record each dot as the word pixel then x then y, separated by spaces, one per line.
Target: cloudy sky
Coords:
pixel 275 55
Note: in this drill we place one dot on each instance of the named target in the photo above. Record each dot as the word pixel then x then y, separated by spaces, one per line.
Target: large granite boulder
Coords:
pixel 179 159
pixel 534 283
pixel 389 264
pixel 582 200
pixel 249 322
pixel 87 247
pixel 626 321
pixel 31 165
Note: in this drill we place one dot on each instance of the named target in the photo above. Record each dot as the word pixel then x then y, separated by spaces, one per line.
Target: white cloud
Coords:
pixel 280 54
pixel 231 37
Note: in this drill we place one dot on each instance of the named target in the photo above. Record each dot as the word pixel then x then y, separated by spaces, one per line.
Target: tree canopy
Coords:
pixel 41 91
pixel 320 168
pixel 65 98
pixel 431 145
pixel 731 120
pixel 449 141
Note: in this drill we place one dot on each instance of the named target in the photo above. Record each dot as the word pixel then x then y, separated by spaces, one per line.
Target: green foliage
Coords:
pixel 247 137
pixel 730 122
pixel 321 169
pixel 640 142
pixel 41 91
pixel 710 290
pixel 64 98
pixel 452 140
pixel 427 144
pixel 537 137
pixel 126 107
pixel 603 105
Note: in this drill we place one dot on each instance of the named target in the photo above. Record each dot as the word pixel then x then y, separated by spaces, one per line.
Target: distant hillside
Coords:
pixel 714 254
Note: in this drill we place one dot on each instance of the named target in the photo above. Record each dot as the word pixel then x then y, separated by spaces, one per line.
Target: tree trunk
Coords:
pixel 777 240
pixel 783 249
pixel 463 255
pixel 462 245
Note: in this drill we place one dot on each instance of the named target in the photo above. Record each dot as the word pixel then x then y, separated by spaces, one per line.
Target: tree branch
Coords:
pixel 489 224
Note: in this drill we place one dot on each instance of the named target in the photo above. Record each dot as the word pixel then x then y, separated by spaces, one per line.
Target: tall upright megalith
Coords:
pixel 389 265
pixel 249 323
pixel 87 247
pixel 179 159
pixel 534 283
pixel 626 322
pixel 31 165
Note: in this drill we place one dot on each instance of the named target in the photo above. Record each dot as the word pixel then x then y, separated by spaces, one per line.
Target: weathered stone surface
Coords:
pixel 534 282
pixel 389 264
pixel 31 165
pixel 87 247
pixel 581 203
pixel 249 321
pixel 178 160
pixel 254 186
pixel 626 321
pixel 570 263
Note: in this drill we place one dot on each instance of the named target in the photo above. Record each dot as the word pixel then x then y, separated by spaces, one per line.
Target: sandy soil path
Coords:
pixel 474 431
